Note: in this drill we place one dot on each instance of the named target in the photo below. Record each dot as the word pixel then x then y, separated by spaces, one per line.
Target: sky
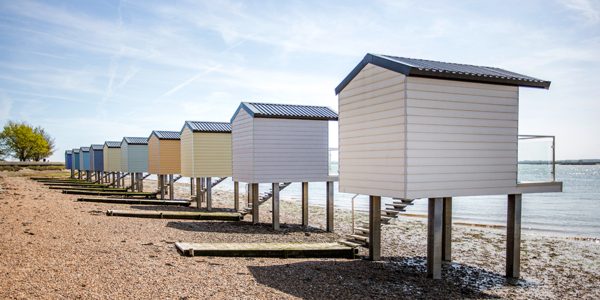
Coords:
pixel 95 71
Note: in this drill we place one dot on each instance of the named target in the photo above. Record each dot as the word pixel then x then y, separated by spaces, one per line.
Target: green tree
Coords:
pixel 22 141
pixel 50 145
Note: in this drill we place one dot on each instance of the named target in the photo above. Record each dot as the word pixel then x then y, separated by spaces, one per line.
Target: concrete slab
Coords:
pixel 283 250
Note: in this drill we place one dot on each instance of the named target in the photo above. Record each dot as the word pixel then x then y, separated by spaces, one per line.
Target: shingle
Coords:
pixel 85 149
pixel 136 140
pixel 167 135
pixel 112 144
pixel 288 111
pixel 216 127
pixel 97 147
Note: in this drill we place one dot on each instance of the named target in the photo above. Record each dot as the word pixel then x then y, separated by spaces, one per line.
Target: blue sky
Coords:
pixel 95 71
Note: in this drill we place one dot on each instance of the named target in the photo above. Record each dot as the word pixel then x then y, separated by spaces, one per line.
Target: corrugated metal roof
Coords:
pixel 68 152
pixel 444 70
pixel 85 149
pixel 136 140
pixel 166 135
pixel 97 147
pixel 287 111
pixel 216 127
pixel 112 144
pixel 76 151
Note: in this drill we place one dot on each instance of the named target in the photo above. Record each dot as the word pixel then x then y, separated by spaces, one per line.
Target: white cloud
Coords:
pixel 589 10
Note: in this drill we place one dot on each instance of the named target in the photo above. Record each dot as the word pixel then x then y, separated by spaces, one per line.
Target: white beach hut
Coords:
pixel 280 143
pixel 412 128
pixel 134 159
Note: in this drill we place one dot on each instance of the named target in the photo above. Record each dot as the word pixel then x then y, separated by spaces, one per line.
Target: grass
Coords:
pixel 39 175
pixel 33 168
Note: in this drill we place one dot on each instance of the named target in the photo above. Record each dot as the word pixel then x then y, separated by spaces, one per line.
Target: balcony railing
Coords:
pixel 536 158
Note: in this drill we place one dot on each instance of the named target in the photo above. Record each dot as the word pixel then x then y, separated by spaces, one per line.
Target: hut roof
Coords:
pixel 444 70
pixel 287 111
pixel 97 147
pixel 85 149
pixel 136 140
pixel 68 151
pixel 111 144
pixel 166 135
pixel 215 127
pixel 76 151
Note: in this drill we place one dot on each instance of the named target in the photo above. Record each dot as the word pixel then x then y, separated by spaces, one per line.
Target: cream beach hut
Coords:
pixel 281 143
pixel 412 128
pixel 111 151
pixel 206 153
pixel 134 159
pixel 164 157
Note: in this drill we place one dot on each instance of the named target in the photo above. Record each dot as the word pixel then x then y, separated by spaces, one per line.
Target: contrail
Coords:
pixel 177 88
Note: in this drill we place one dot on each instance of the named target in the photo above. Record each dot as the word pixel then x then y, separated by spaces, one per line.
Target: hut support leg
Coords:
pixel 236 196
pixel 447 230
pixel 191 186
pixel 141 182
pixel 171 187
pixel 72 173
pixel 198 192
pixel 254 197
pixel 329 204
pixel 133 182
pixel 434 238
pixel 118 179
pixel 275 209
pixel 305 204
pixel 374 228
pixel 209 193
pixel 513 237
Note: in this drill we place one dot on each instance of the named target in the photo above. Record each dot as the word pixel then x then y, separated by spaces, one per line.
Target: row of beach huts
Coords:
pixel 408 129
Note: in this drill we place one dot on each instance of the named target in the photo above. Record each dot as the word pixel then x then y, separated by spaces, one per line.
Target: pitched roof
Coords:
pixel 444 70
pixel 85 149
pixel 68 152
pixel 135 140
pixel 211 127
pixel 166 135
pixel 76 151
pixel 287 111
pixel 97 147
pixel 111 144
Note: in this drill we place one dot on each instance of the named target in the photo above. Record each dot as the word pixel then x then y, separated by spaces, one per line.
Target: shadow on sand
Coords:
pixel 395 277
pixel 239 227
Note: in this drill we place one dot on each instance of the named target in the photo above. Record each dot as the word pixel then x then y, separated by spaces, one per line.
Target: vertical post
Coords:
pixel 191 186
pixel 254 197
pixel 161 186
pixel 434 238
pixel 236 196
pixel 209 193
pixel 118 179
pixel 201 195
pixel 374 228
pixel 141 182
pixel 133 187
pixel 447 230
pixel 275 209
pixel 305 204
pixel 513 237
pixel 329 204
pixel 171 187
pixel 72 174
pixel 198 192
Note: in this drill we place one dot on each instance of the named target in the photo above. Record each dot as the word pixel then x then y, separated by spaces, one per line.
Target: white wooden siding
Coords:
pixel 187 144
pixel 124 157
pixel 371 134
pixel 242 138
pixel 137 159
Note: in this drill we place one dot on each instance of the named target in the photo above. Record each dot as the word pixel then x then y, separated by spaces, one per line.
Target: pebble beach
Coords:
pixel 53 247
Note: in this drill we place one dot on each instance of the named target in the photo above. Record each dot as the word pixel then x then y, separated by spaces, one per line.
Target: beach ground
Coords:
pixel 53 247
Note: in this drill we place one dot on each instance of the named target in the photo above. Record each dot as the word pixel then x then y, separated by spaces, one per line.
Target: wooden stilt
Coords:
pixel 141 182
pixel 329 204
pixel 447 230
pixel 236 195
pixel 171 187
pixel 275 209
pixel 434 238
pixel 255 203
pixel 198 192
pixel 374 228
pixel 513 237
pixel 209 193
pixel 305 204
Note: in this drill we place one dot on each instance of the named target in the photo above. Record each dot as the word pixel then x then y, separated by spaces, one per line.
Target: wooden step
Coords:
pixel 359 237
pixel 363 229
pixel 391 211
pixel 351 244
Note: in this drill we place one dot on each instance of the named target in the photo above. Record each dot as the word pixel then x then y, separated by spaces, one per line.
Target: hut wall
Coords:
pixel 186 146
pixel 69 161
pixel 137 158
pixel 153 155
pixel 212 154
pixel 112 159
pixel 462 138
pixel 92 166
pixel 85 160
pixel 97 160
pixel 124 157
pixel 76 163
pixel 242 138
pixel 170 156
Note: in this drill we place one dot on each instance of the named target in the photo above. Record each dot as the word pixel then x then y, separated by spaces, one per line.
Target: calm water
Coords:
pixel 574 212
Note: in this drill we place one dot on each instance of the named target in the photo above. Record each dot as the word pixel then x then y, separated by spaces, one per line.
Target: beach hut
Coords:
pixel 280 143
pixel 84 161
pixel 164 158
pixel 206 153
pixel 76 162
pixel 111 151
pixel 97 161
pixel 134 159
pixel 69 161
pixel 412 128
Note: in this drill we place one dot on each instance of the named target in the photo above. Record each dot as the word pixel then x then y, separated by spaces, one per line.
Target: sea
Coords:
pixel 573 213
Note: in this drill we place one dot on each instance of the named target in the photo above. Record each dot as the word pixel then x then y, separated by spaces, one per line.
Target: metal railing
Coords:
pixel 538 150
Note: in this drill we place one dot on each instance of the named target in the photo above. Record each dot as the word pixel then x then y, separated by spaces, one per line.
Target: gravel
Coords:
pixel 52 246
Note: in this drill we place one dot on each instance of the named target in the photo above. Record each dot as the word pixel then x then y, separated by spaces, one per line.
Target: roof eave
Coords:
pixel 295 117
pixel 375 60
pixel 479 79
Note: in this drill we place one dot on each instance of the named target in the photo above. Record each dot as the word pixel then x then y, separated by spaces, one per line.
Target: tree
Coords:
pixel 50 145
pixel 23 142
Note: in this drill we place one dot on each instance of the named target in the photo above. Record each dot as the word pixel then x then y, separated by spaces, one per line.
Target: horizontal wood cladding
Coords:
pixel 170 156
pixel 212 154
pixel 242 139
pixel 153 155
pixel 371 133
pixel 187 159
pixel 137 158
pixel 124 157
pixel 112 159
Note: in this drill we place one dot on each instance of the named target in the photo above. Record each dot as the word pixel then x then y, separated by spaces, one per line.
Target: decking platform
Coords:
pixel 136 201
pixel 176 215
pixel 87 188
pixel 283 250
pixel 124 194
pixel 78 184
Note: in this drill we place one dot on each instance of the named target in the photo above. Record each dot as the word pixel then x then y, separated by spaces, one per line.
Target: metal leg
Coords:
pixel 447 230
pixel 434 238
pixel 374 228
pixel 171 187
pixel 305 204
pixel 329 210
pixel 513 237
pixel 275 209
pixel 209 193
pixel 255 204
pixel 236 196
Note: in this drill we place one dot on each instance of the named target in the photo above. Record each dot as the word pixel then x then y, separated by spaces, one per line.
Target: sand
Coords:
pixel 53 247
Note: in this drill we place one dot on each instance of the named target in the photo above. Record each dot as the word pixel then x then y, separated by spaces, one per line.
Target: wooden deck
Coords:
pixel 176 215
pixel 65 184
pixel 136 201
pixel 283 250
pixel 124 194
pixel 87 188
